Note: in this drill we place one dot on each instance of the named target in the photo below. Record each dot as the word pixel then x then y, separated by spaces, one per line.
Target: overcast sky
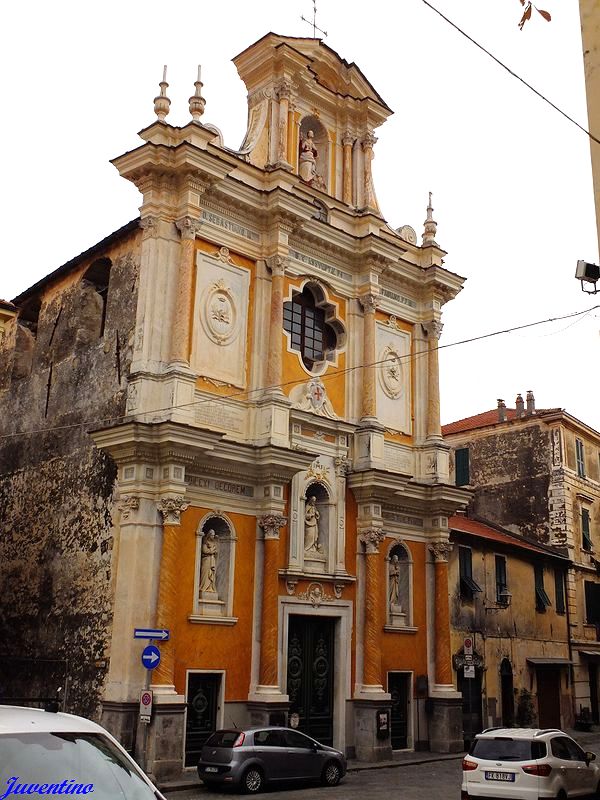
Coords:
pixel 511 178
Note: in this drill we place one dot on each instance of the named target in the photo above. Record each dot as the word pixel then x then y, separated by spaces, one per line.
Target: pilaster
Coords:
pixel 369 440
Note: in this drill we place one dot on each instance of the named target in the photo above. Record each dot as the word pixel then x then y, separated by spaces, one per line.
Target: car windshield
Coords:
pixel 222 739
pixel 505 749
pixel 68 763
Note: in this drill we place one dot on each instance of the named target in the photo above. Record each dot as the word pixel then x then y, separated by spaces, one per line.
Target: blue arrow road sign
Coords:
pixel 151 656
pixel 151 633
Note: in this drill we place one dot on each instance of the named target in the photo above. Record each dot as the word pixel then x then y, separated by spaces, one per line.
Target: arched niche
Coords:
pixel 322 482
pixel 399 585
pixel 313 153
pixel 215 551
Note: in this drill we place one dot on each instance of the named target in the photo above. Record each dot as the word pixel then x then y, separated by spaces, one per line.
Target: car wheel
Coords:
pixel 253 781
pixel 332 774
pixel 562 795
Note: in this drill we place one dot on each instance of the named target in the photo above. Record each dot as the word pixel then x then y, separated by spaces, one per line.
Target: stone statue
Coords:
pixel 208 564
pixel 311 527
pixel 394 576
pixel 308 158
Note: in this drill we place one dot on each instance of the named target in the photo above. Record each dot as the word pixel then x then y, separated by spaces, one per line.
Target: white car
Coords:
pixel 49 753
pixel 528 764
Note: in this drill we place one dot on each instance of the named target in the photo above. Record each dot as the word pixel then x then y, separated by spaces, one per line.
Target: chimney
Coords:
pixel 530 403
pixel 501 411
pixel 520 405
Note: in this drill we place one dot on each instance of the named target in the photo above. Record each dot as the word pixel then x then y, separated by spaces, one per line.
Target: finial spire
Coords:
pixel 197 102
pixel 430 226
pixel 162 102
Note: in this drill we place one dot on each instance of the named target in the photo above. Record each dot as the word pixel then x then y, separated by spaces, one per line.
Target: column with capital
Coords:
pixel 445 728
pixel 371 702
pixel 165 732
pixel 170 508
pixel 277 266
pixel 271 525
pixel 434 331
pixel 368 405
pixel 368 194
pixel 347 142
pixel 284 92
pixel 443 666
pixel 180 337
pixel 371 539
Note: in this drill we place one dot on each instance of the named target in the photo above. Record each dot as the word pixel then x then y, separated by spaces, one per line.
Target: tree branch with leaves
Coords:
pixel 529 7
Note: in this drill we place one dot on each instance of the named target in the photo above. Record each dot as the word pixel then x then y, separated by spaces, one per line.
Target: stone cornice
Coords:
pixel 388 488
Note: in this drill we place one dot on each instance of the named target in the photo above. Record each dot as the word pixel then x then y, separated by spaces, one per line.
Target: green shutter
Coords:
pixel 461 466
pixel 559 590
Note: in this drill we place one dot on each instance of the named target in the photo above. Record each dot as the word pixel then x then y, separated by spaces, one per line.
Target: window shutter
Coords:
pixel 585 529
pixel 461 466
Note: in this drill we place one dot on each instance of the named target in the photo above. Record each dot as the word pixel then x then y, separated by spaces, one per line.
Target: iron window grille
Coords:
pixel 309 332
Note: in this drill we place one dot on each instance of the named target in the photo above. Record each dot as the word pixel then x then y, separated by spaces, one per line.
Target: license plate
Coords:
pixel 500 776
pixel 211 769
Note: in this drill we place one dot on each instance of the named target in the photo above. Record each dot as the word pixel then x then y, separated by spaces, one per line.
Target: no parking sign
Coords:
pixel 145 705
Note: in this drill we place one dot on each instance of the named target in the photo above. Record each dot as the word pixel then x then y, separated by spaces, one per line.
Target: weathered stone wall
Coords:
pixel 56 488
pixel 511 473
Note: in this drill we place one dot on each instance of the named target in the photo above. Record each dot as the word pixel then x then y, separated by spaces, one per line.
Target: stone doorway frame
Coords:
pixel 341 612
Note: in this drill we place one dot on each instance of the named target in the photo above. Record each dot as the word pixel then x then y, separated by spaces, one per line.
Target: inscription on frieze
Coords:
pixel 229 225
pixel 218 485
pixel 403 519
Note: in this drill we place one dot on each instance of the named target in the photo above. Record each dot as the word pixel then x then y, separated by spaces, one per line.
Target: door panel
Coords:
pixel 302 760
pixel 201 717
pixel 399 688
pixel 310 675
pixel 548 694
pixel 270 748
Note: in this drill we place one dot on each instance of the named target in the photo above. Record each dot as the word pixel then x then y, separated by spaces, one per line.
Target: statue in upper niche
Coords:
pixel 208 563
pixel 311 527
pixel 308 157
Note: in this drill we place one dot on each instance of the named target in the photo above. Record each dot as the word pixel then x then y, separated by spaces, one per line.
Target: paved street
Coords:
pixel 439 780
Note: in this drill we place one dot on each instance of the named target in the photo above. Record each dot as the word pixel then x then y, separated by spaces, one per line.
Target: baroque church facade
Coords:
pixel 267 472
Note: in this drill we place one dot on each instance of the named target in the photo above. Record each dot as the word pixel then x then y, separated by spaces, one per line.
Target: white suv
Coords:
pixel 528 764
pixel 46 753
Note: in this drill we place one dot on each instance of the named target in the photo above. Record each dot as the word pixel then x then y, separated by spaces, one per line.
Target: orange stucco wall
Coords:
pixel 206 646
pixel 408 651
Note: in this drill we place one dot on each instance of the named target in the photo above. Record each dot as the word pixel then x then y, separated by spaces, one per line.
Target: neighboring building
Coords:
pixel 270 483
pixel 589 12
pixel 537 473
pixel 508 596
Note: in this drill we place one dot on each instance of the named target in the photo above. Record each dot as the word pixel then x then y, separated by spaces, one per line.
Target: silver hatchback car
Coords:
pixel 249 759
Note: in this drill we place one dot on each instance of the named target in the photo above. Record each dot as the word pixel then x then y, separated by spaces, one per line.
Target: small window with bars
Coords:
pixel 580 457
pixel 559 590
pixel 308 331
pixel 586 538
pixel 468 587
pixel 542 601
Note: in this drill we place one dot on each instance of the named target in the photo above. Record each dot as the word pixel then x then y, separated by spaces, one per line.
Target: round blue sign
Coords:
pixel 151 656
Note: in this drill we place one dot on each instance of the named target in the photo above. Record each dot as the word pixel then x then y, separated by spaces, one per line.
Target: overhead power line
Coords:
pixel 511 72
pixel 259 391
